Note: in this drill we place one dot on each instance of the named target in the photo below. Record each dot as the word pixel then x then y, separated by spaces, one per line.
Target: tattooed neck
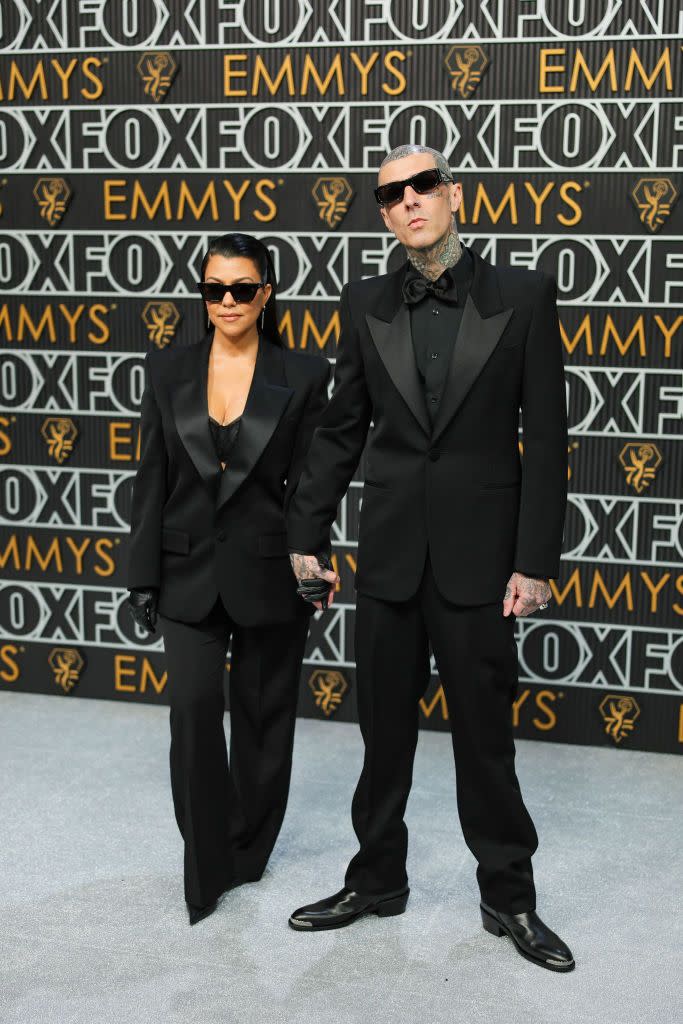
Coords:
pixel 432 260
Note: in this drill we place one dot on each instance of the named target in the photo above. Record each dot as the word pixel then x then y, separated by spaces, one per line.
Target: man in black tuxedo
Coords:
pixel 457 535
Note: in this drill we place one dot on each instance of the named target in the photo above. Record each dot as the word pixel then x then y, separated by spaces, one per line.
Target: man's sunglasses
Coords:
pixel 243 291
pixel 422 182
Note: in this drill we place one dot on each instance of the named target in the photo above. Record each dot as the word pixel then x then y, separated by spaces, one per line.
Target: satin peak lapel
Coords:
pixel 265 405
pixel 394 344
pixel 190 411
pixel 475 342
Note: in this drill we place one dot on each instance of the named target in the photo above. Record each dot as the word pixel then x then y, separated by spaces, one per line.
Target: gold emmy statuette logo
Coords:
pixel 333 197
pixel 619 714
pixel 640 460
pixel 66 664
pixel 466 66
pixel 328 687
pixel 59 433
pixel 654 198
pixel 52 196
pixel 161 320
pixel 157 70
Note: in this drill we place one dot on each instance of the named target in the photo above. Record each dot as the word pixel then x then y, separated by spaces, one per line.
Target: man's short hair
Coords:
pixel 401 151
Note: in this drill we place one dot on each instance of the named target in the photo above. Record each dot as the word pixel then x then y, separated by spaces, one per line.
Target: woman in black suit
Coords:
pixel 225 425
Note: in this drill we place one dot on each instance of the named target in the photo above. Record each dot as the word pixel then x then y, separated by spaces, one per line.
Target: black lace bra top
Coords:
pixel 224 436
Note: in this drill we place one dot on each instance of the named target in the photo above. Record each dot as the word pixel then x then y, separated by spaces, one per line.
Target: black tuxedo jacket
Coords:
pixel 196 530
pixel 459 489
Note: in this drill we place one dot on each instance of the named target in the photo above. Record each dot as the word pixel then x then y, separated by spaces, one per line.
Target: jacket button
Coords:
pixel 220 535
pixel 434 454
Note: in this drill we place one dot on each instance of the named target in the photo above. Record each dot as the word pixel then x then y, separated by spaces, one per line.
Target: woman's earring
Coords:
pixel 263 315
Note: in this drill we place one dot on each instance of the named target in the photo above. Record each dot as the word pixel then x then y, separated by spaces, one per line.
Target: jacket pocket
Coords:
pixel 177 541
pixel 374 483
pixel 514 341
pixel 273 545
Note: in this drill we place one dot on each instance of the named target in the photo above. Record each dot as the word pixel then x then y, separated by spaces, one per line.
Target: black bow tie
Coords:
pixel 415 287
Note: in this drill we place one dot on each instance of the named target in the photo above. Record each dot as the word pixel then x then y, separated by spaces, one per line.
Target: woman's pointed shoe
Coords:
pixel 198 913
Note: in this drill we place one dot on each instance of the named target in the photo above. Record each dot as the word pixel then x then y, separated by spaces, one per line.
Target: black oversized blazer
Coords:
pixel 196 530
pixel 459 489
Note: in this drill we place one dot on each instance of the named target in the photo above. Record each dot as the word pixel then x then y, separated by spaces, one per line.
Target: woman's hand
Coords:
pixel 315 577
pixel 143 607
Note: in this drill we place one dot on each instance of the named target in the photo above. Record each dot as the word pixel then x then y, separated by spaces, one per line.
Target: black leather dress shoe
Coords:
pixel 533 939
pixel 347 906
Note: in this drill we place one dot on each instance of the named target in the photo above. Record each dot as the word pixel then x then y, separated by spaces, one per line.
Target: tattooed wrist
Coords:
pixel 305 567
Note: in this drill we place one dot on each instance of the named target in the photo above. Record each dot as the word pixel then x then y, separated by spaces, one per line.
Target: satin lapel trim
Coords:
pixel 394 344
pixel 474 344
pixel 191 415
pixel 265 405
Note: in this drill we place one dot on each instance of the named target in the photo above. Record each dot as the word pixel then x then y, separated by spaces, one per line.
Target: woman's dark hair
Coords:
pixel 237 244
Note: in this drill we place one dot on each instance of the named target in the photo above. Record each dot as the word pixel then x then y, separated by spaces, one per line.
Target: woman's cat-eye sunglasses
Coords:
pixel 242 291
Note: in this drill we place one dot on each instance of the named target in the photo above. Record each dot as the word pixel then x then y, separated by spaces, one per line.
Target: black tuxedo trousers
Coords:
pixel 476 658
pixel 229 810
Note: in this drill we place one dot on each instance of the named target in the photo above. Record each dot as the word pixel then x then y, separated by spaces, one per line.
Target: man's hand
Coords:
pixel 525 594
pixel 316 582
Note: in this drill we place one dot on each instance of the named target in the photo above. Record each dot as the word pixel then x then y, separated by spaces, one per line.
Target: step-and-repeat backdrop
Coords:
pixel 132 131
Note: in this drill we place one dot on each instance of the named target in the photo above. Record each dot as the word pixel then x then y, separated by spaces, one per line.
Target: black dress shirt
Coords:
pixel 434 324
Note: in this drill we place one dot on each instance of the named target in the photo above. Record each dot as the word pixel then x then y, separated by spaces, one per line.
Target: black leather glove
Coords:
pixel 316 589
pixel 143 607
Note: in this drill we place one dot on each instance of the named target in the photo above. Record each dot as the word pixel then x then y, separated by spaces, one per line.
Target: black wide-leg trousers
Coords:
pixel 229 811
pixel 476 657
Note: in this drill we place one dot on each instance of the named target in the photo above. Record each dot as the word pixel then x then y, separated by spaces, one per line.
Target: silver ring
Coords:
pixel 542 606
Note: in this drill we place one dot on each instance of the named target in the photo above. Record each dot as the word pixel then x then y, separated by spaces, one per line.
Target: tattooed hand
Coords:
pixel 525 594
pixel 307 567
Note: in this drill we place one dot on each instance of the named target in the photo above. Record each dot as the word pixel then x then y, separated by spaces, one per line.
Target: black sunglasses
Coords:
pixel 242 291
pixel 422 182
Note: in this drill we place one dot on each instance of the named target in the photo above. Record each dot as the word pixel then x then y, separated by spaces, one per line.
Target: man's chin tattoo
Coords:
pixel 431 261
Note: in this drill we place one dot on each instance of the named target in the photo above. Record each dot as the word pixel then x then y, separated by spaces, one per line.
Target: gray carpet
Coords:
pixel 94 927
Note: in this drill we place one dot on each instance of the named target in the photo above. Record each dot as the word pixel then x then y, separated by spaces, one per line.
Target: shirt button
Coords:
pixel 435 312
pixel 434 355
pixel 433 398
pixel 434 454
